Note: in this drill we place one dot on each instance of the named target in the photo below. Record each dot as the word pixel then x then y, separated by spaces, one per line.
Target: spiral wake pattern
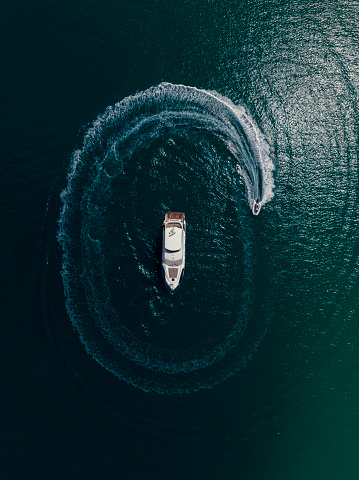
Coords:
pixel 171 147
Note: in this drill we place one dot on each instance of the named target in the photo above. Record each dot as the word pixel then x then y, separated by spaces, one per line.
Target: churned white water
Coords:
pixel 171 147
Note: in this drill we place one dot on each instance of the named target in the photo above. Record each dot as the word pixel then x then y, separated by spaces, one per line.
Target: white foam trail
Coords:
pixel 108 145
pixel 264 163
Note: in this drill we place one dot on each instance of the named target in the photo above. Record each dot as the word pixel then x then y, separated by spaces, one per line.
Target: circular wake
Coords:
pixel 170 147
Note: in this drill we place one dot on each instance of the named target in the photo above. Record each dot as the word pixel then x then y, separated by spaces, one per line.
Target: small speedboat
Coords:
pixel 256 208
pixel 173 249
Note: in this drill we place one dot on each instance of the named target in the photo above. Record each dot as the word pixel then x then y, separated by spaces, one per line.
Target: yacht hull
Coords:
pixel 173 249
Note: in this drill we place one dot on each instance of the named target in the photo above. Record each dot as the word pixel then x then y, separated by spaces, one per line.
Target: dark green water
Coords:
pixel 251 369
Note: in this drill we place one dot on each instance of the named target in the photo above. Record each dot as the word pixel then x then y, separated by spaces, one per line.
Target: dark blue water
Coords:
pixel 113 114
pixel 171 147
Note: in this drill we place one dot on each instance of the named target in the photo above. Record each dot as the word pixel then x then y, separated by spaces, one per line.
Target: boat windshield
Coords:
pixel 173 224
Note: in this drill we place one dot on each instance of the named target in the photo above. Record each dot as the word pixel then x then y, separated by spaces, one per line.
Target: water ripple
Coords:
pixel 170 147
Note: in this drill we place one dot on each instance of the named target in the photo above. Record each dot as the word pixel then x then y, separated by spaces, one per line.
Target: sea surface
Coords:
pixel 114 113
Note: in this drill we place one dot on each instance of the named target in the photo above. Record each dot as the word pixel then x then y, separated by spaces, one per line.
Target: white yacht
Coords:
pixel 173 249
pixel 256 207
